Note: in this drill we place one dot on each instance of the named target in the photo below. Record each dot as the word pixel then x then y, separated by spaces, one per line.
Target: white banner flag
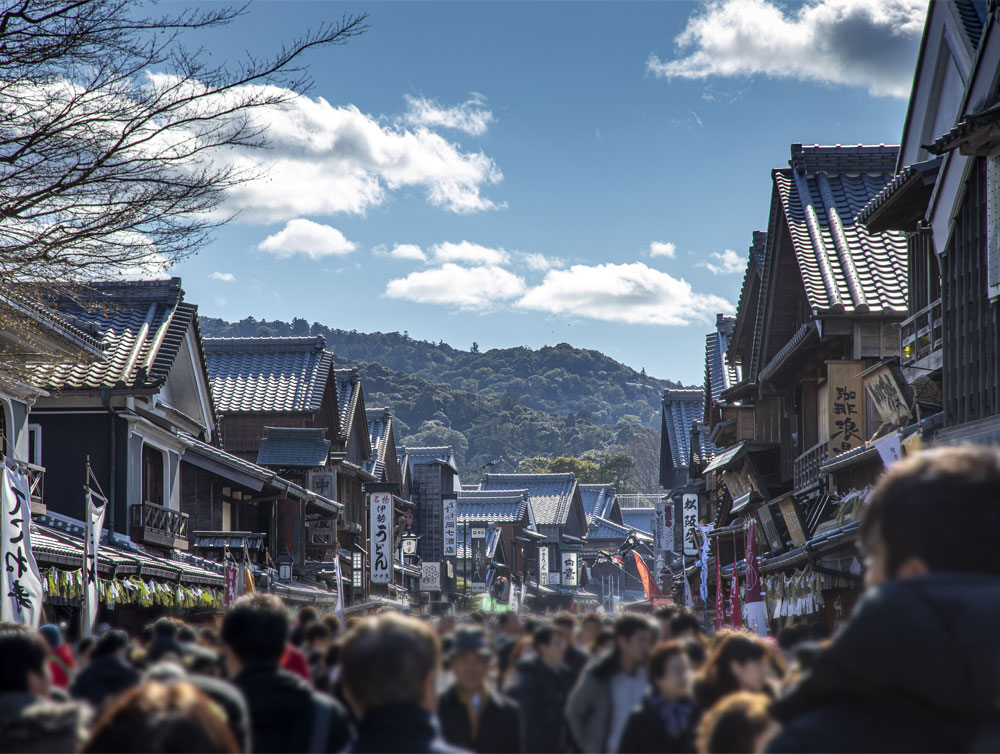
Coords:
pixel 888 448
pixel 339 609
pixel 705 546
pixel 380 534
pixel 543 565
pixel 96 507
pixel 21 593
pixel 449 516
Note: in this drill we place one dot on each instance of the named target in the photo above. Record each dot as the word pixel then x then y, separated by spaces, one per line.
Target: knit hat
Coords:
pixel 52 634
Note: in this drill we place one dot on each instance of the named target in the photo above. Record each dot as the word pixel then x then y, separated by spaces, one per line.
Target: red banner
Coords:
pixel 648 584
pixel 734 600
pixel 229 596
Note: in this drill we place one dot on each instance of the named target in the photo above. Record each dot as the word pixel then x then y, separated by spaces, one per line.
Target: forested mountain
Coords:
pixel 514 404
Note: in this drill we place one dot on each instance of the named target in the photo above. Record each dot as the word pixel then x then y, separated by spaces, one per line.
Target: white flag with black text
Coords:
pixel 21 594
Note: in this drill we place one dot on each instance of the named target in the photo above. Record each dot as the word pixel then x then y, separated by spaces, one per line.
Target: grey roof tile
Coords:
pixel 681 408
pixel 284 447
pixel 379 431
pixel 597 499
pixel 492 507
pixel 251 375
pixel 551 494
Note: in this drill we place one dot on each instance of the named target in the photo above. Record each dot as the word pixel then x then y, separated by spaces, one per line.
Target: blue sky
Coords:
pixel 531 154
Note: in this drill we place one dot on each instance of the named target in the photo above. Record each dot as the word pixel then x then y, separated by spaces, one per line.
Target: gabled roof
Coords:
pixel 380 431
pixel 641 519
pixel 492 507
pixel 415 456
pixel 294 447
pixel 551 494
pixel 702 448
pixel 602 528
pixel 972 14
pixel 251 375
pixel 680 409
pixel 844 268
pixel 903 201
pixel 348 394
pixel 719 375
pixel 597 499
pixel 140 326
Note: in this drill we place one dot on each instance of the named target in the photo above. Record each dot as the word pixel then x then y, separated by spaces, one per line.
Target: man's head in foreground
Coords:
pixel 935 511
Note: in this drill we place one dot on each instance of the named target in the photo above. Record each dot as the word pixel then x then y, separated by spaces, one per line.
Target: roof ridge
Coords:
pixel 294 342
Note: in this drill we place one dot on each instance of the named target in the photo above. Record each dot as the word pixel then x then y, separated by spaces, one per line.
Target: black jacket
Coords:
pixel 499 728
pixel 542 692
pixel 104 677
pixel 282 712
pixel 645 731
pixel 576 660
pixel 917 668
pixel 399 728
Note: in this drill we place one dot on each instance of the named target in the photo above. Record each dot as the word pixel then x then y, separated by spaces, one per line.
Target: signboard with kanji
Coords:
pixel 543 565
pixel 449 516
pixel 690 513
pixel 665 525
pixel 479 564
pixel 569 569
pixel 883 387
pixel 380 537
pixel 846 406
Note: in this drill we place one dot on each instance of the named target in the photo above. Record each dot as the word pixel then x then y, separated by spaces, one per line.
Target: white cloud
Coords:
pixel 471 116
pixel 323 159
pixel 301 236
pixel 466 251
pixel 540 262
pixel 468 288
pixel 870 43
pixel 223 277
pixel 631 293
pixel 727 262
pixel 402 251
pixel 662 249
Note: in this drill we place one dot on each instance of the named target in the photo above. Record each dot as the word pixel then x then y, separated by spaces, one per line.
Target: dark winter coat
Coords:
pixel 283 711
pixel 576 660
pixel 917 668
pixel 499 729
pixel 589 708
pixel 542 693
pixel 30 724
pixel 105 677
pixel 400 728
pixel 645 731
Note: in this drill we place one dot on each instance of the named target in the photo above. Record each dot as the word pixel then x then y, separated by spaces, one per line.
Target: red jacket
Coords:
pixel 294 661
pixel 61 666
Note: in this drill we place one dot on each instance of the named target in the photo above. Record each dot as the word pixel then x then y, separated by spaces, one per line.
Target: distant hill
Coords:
pixel 509 404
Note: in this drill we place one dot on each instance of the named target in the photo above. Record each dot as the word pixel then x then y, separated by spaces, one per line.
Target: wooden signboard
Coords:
pixel 787 504
pixel 846 406
pixel 882 384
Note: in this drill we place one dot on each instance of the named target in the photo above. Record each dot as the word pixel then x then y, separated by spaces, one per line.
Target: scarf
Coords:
pixel 675 715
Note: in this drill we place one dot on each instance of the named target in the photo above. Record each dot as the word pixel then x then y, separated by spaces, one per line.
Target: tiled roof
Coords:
pixel 681 408
pixel 414 456
pixel 904 178
pixel 719 375
pixel 79 336
pixel 493 507
pixel 642 519
pixel 967 128
pixel 602 528
pixel 843 267
pixel 551 494
pixel 268 374
pixel 379 430
pixel 348 393
pixel 597 499
pixel 972 14
pixel 140 326
pixel 702 449
pixel 285 447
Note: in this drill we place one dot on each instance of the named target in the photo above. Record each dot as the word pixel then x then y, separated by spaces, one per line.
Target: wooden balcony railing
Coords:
pixel 920 335
pixel 807 465
pixel 158 525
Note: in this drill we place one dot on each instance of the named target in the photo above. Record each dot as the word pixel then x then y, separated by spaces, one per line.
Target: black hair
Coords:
pixel 187 635
pixel 22 651
pixel 210 635
pixel 666 612
pixel 685 620
pixel 695 651
pixel 628 625
pixel 147 634
pixel 256 629
pixel 544 633
pixel 789 637
pixel 307 614
pixel 85 644
pixel 818 631
pixel 110 642
pixel 317 630
pixel 904 510
pixel 165 628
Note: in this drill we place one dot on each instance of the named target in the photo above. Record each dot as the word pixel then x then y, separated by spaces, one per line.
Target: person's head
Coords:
pixel 209 638
pixel 669 671
pixel 695 651
pixel 24 660
pixel 664 615
pixel 685 625
pixel 590 627
pixel 165 628
pixel 146 635
pixel 113 642
pixel 818 631
pixel 390 659
pixel 307 614
pixel 788 639
pixel 566 623
pixel 158 717
pixel 523 648
pixel 332 623
pixel 903 532
pixel 633 638
pixel 738 724
pixel 201 661
pixel 445 625
pixel 738 662
pixel 187 635
pixel 85 650
pixel 52 635
pixel 605 641
pixel 255 631
pixel 550 644
pixel 469 660
pixel 317 636
pixel 510 624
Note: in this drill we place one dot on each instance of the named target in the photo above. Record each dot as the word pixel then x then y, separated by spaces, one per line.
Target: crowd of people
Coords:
pixel 914 669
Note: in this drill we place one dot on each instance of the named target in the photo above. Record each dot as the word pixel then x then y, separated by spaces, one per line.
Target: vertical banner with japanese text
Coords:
pixel 479 564
pixel 846 405
pixel 96 506
pixel 569 569
pixel 690 512
pixel 665 525
pixel 449 517
pixel 543 565
pixel 20 583
pixel 380 537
